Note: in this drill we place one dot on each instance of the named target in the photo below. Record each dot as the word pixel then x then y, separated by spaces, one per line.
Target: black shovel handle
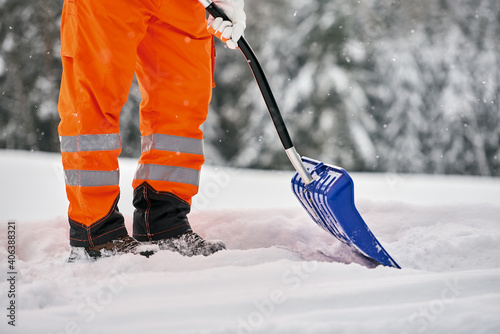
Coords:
pixel 260 77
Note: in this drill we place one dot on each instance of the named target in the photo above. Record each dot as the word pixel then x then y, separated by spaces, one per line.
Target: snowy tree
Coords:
pixel 370 85
pixel 29 73
pixel 303 51
pixel 439 112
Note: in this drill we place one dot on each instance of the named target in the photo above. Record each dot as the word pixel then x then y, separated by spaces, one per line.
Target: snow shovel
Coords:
pixel 325 191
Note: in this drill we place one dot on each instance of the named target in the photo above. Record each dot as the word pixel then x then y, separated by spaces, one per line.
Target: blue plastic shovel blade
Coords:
pixel 329 200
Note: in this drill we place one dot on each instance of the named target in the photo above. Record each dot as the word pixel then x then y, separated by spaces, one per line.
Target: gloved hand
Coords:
pixel 228 32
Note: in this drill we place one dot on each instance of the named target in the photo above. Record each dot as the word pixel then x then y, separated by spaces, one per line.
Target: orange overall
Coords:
pixel 103 43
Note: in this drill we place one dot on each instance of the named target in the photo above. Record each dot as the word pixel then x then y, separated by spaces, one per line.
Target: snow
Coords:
pixel 280 274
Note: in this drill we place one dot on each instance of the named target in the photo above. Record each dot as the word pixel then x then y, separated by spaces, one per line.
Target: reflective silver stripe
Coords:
pixel 91 178
pixel 168 173
pixel 172 143
pixel 105 142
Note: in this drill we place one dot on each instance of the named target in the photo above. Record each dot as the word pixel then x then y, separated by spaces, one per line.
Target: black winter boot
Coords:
pixel 158 215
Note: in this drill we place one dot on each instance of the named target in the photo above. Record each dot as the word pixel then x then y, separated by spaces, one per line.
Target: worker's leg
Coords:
pixel 99 41
pixel 175 77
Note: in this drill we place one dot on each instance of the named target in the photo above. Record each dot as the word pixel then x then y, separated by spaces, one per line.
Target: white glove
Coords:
pixel 229 32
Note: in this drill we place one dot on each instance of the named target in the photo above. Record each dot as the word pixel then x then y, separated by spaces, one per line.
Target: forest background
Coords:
pixel 369 85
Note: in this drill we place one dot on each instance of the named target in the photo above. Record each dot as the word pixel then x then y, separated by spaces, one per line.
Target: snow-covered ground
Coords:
pixel 280 274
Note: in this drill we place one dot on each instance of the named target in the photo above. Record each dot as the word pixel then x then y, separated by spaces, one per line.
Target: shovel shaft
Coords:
pixel 267 94
pixel 260 77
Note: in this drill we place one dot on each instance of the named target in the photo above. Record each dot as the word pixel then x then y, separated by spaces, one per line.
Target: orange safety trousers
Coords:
pixel 103 43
